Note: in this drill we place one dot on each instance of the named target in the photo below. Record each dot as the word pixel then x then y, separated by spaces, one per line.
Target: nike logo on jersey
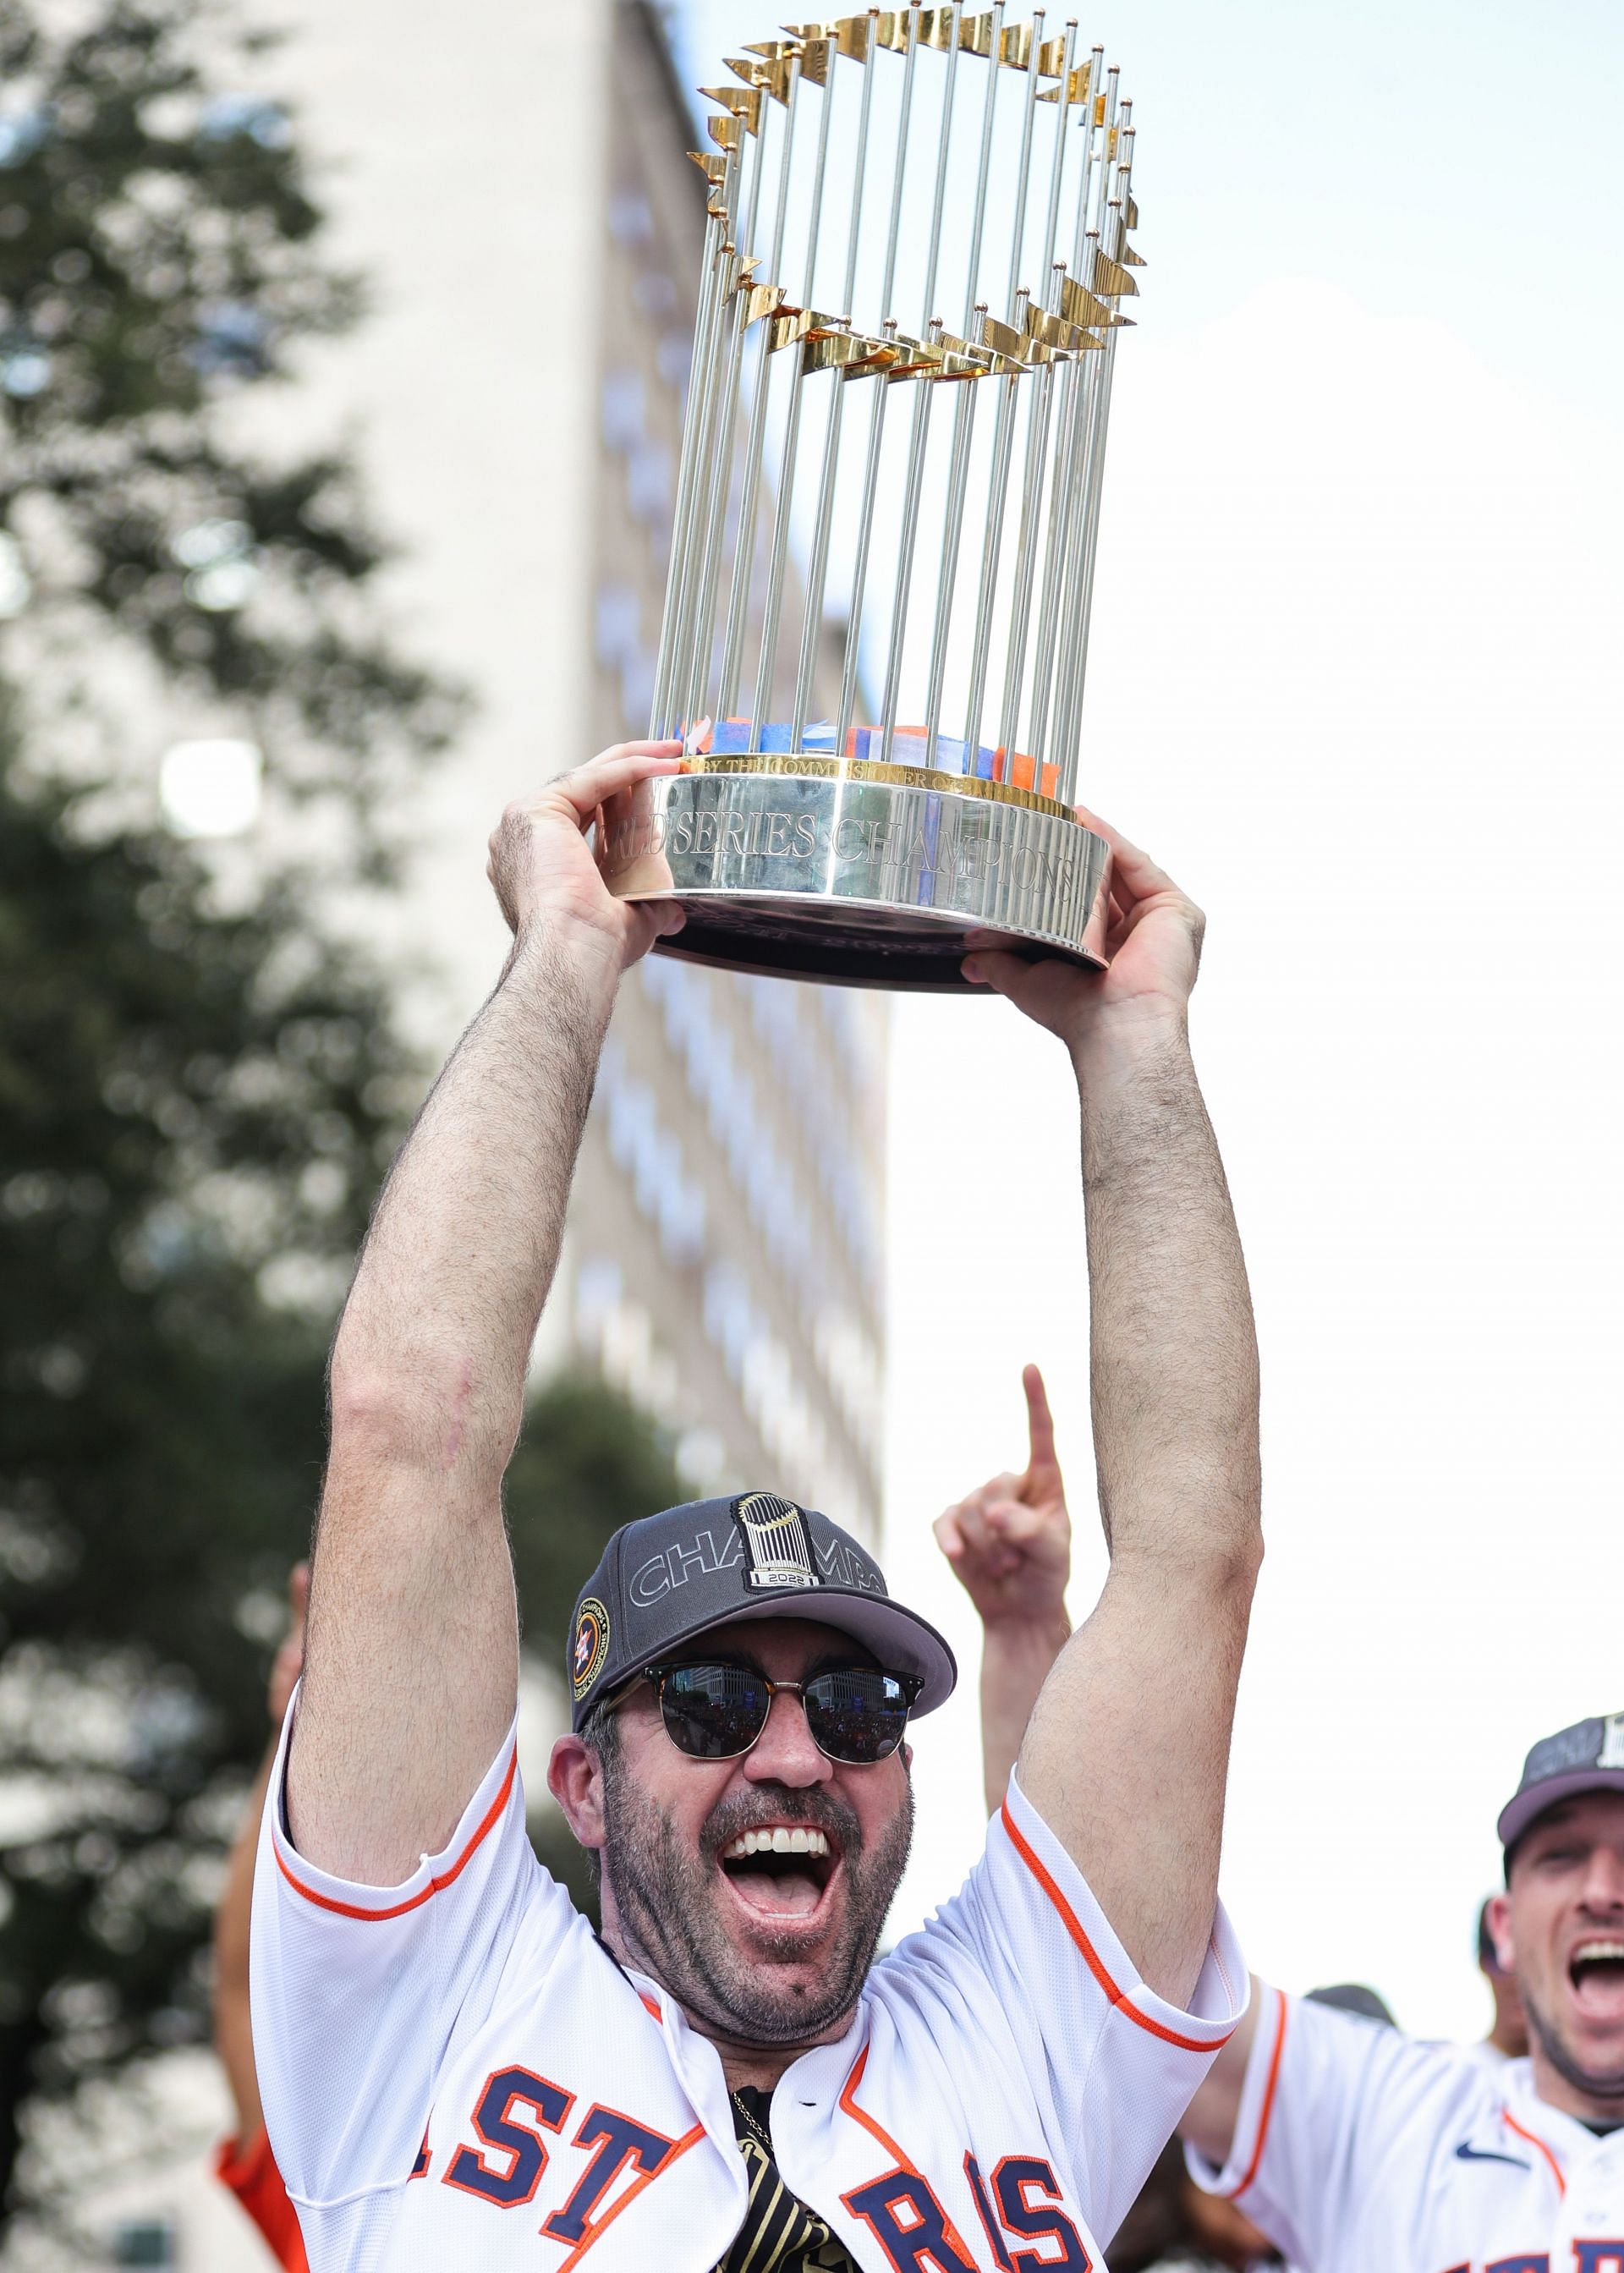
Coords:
pixel 1465 2154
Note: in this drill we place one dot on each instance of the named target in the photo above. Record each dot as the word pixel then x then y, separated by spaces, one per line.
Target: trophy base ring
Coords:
pixel 856 874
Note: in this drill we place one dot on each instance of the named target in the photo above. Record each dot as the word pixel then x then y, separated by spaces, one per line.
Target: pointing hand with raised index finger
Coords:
pixel 1010 1541
pixel 1010 1546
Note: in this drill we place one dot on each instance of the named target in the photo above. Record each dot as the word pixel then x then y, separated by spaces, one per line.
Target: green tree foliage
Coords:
pixel 198 1096
pixel 158 257
pixel 195 1110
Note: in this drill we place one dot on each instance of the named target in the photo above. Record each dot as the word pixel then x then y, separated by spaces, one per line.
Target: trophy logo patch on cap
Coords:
pixel 590 1646
pixel 1611 1754
pixel 777 1549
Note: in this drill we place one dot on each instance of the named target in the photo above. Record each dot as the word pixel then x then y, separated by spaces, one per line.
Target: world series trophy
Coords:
pixel 863 280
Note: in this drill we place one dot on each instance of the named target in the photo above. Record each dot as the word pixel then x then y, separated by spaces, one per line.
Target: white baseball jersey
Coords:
pixel 1357 2148
pixel 456 2073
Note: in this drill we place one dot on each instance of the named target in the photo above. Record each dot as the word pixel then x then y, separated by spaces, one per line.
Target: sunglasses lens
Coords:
pixel 858 1716
pixel 714 1712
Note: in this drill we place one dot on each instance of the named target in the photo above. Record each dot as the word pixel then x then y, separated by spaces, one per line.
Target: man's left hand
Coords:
pixel 1154 944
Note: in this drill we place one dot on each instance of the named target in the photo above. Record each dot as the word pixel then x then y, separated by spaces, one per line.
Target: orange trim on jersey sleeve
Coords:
pixel 435 1885
pixel 645 2179
pixel 1090 1956
pixel 1534 2140
pixel 877 2130
pixel 651 2008
pixel 1267 2107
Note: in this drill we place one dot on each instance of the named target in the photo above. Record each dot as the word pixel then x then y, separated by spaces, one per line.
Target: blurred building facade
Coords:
pixel 725 1263
pixel 520 200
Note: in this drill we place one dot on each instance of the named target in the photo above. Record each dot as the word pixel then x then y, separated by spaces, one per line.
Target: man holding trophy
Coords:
pixel 449 2062
pixel 454 2069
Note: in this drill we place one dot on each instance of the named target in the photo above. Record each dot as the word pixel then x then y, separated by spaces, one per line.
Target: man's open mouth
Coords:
pixel 1597 1971
pixel 781 1871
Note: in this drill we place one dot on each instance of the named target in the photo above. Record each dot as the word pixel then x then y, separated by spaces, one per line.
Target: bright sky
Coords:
pixel 1354 675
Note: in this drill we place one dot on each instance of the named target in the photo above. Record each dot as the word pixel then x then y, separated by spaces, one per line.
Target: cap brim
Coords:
pixel 1518 1814
pixel 900 1639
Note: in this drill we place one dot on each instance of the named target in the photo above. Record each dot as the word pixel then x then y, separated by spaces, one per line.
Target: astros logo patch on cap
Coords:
pixel 590 1646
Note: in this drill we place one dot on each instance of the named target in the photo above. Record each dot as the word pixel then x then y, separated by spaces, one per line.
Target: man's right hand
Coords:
pixel 541 865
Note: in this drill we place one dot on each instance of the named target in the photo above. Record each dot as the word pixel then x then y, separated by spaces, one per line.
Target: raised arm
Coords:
pixel 1010 1547
pixel 411 1674
pixel 1127 1749
pixel 1010 1544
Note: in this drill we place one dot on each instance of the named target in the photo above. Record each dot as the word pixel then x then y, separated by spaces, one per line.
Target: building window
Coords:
pixel 150 2241
pixel 651 1157
pixel 653 294
pixel 622 409
pixel 649 482
pixel 630 220
pixel 673 358
pixel 619 623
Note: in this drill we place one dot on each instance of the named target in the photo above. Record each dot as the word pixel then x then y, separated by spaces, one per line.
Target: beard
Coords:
pixel 669 1905
pixel 1605 2083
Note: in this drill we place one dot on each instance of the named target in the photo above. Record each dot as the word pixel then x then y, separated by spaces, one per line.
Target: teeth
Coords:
pixel 779 1840
pixel 1598 1950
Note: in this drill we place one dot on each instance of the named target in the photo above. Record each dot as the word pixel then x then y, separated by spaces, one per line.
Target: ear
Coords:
pixel 907 1755
pixel 575 1782
pixel 1499 1932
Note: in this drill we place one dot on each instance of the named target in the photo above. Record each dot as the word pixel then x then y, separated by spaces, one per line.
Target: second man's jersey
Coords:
pixel 1357 2148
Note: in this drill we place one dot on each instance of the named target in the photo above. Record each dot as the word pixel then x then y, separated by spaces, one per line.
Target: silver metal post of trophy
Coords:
pixel 876 626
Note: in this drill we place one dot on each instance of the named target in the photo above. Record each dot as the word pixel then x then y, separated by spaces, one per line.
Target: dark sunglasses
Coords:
pixel 857 1716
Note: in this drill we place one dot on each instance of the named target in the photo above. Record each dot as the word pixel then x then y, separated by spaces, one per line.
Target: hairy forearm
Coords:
pixel 411 1674
pixel 1173 1351
pixel 436 1337
pixel 1126 1752
pixel 1015 1661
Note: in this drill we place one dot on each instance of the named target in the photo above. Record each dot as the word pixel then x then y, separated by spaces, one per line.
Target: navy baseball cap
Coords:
pixel 1588 1757
pixel 669 1577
